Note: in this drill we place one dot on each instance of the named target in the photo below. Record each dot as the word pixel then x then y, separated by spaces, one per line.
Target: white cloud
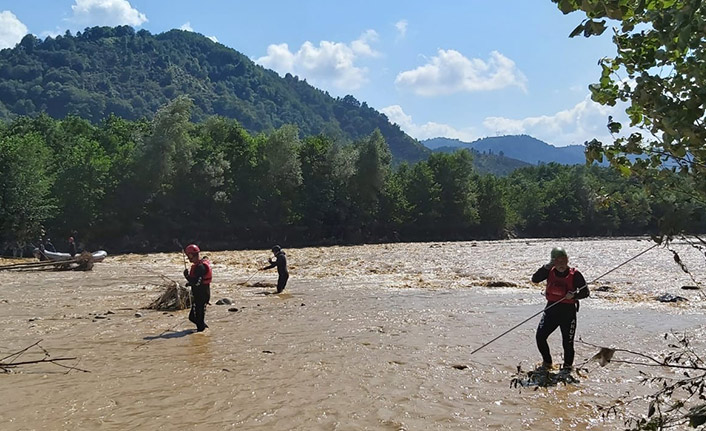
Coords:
pixel 451 72
pixel 427 130
pixel 401 27
pixel 187 27
pixel 361 46
pixel 11 30
pixel 331 63
pixel 583 122
pixel 106 12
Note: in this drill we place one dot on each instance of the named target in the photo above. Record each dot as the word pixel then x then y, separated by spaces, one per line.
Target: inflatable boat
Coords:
pixel 58 257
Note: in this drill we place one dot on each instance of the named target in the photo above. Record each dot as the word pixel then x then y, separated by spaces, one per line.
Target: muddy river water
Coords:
pixel 371 337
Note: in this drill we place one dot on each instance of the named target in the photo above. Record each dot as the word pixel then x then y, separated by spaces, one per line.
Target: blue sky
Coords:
pixel 459 69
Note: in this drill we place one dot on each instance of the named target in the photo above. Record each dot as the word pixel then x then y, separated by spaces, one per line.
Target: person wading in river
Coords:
pixel 281 263
pixel 199 278
pixel 565 286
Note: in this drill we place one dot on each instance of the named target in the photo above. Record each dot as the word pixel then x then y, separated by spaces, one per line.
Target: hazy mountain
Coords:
pixel 520 147
pixel 115 70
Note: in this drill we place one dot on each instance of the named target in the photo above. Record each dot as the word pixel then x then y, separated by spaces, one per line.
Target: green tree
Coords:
pixel 281 174
pixel 25 200
pixel 658 72
pixel 321 187
pixel 241 183
pixel 492 213
pixel 395 208
pixel 454 175
pixel 123 203
pixel 424 196
pixel 371 169
pixel 168 151
pixel 81 175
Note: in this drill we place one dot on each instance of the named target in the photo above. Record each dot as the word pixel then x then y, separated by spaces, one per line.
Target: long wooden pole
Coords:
pixel 36 264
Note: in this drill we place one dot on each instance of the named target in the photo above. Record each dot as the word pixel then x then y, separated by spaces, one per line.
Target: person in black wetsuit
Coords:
pixel 199 278
pixel 565 286
pixel 281 263
pixel 72 247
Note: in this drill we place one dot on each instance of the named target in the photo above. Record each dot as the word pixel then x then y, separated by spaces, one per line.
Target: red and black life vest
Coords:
pixel 558 287
pixel 206 279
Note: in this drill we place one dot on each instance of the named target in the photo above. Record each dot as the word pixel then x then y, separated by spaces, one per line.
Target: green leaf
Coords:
pixel 578 30
pixel 614 126
pixel 624 170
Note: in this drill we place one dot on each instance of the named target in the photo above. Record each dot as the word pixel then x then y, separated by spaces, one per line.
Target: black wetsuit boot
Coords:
pixel 202 295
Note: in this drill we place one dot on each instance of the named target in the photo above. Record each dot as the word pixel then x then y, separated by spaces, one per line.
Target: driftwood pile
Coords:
pixel 175 297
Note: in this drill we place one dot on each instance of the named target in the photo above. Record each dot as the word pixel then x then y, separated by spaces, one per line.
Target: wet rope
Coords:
pixel 246 281
pixel 559 301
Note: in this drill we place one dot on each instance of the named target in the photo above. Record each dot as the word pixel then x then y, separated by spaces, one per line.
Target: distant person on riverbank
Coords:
pixel 72 247
pixel 39 252
pixel 199 278
pixel 280 261
pixel 48 246
pixel 565 286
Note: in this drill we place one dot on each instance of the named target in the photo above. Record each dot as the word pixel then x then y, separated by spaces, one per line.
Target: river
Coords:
pixel 371 337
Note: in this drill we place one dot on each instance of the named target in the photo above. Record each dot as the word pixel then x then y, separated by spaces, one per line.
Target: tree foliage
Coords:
pixel 136 185
pixel 25 183
pixel 658 71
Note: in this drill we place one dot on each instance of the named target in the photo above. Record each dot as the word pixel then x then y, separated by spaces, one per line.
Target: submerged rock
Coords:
pixel 542 377
pixel 668 297
pixel 498 283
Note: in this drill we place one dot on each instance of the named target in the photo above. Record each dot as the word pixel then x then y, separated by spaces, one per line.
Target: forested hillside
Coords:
pixel 106 70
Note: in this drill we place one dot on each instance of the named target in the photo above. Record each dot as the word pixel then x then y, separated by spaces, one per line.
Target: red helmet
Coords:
pixel 192 249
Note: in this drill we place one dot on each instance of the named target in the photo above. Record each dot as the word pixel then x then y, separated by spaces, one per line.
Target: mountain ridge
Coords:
pixel 117 70
pixel 521 147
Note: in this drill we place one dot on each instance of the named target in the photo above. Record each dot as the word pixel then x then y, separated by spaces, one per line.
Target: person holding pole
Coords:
pixel 565 286
pixel 281 263
pixel 199 278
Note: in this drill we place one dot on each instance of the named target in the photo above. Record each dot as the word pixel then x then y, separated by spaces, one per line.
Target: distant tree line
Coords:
pixel 136 185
